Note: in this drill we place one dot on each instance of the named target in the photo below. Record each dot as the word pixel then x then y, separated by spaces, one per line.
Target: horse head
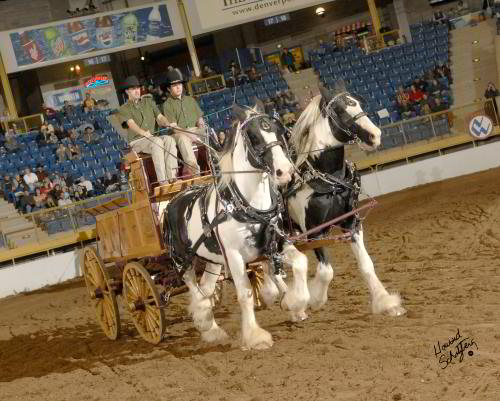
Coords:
pixel 264 139
pixel 348 121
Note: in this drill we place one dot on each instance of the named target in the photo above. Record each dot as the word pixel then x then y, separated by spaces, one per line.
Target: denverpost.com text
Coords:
pixel 248 6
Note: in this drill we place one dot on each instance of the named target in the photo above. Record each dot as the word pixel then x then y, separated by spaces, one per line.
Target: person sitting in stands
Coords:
pixel 40 198
pixel 253 75
pixel 75 153
pixel 27 202
pixel 89 103
pixel 73 134
pixel 415 94
pixel 207 71
pixel 47 111
pixel 46 129
pixel 62 153
pixel 437 105
pixel 64 199
pixel 84 182
pixel 11 143
pixel 67 108
pixel 30 179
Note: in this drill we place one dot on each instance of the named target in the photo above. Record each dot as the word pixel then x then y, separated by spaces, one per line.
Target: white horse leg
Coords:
pixel 297 297
pixel 272 286
pixel 253 336
pixel 318 287
pixel 382 301
pixel 200 306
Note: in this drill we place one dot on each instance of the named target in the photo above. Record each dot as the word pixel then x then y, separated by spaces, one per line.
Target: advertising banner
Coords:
pixel 90 36
pixel 220 13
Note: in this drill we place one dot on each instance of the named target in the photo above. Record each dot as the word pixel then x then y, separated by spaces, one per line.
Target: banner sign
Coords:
pixel 217 13
pixel 84 36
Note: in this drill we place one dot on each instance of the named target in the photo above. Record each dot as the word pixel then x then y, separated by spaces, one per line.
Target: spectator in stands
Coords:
pixel 269 106
pixel 30 179
pixel 110 183
pixel 89 188
pixel 27 202
pixel 74 151
pixel 89 103
pixel 437 105
pixel 491 93
pixel 64 199
pixel 253 75
pixel 73 134
pixel 140 116
pixel 183 111
pixel 17 190
pixel 207 71
pixel 40 198
pixel 11 143
pixel 47 111
pixel 46 129
pixel 287 60
pixel 415 94
pixel 89 136
pixel 67 108
pixel 62 153
pixel 424 105
pixel 6 186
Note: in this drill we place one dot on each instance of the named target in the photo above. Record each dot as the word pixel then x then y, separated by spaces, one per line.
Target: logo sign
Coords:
pixel 97 81
pixel 480 127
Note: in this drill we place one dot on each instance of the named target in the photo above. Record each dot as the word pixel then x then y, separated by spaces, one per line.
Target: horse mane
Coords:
pixel 226 158
pixel 301 138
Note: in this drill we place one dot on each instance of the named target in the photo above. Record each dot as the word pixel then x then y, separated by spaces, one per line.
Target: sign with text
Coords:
pixel 217 13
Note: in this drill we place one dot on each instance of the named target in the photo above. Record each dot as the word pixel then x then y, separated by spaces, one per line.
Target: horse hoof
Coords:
pixel 214 334
pixel 298 316
pixel 396 311
pixel 258 339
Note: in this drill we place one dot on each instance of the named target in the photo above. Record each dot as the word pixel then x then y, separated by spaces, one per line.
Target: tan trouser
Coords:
pixel 184 142
pixel 163 152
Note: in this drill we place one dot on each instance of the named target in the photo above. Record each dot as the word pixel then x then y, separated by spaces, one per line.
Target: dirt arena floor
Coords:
pixel 438 245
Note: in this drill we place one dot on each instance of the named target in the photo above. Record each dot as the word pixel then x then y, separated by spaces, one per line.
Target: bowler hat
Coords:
pixel 174 76
pixel 130 82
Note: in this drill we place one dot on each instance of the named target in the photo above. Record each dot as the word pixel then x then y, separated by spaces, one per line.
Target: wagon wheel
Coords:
pixel 256 276
pixel 98 283
pixel 143 302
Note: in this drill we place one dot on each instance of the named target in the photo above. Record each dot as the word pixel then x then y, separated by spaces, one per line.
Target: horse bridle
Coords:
pixel 257 153
pixel 349 126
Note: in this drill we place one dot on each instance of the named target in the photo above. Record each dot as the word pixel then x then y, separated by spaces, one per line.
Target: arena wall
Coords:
pixel 39 273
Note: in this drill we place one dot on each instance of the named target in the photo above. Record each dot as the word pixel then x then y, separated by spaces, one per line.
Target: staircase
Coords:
pixel 15 229
pixel 304 84
pixel 464 70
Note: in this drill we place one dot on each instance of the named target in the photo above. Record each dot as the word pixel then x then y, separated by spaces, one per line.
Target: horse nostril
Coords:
pixel 279 173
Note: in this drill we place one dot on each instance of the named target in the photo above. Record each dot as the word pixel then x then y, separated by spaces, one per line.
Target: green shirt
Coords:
pixel 144 114
pixel 185 111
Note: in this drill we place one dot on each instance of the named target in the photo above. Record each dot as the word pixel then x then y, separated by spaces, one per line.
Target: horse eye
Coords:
pixel 265 126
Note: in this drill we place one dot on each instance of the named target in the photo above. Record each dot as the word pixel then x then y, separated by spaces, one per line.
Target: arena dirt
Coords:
pixel 438 245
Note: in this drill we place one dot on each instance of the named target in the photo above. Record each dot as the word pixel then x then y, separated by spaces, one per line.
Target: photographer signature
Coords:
pixel 453 349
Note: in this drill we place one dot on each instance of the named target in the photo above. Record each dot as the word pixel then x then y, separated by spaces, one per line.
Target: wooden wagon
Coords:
pixel 131 257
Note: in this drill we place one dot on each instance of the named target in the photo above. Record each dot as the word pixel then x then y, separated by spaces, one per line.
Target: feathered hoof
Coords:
pixel 389 304
pixel 215 334
pixel 298 316
pixel 258 339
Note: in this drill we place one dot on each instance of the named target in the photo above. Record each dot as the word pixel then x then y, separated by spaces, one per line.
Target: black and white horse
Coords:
pixel 235 222
pixel 330 186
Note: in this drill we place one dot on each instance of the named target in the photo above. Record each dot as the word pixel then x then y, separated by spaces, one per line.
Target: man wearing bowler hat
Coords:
pixel 140 116
pixel 184 111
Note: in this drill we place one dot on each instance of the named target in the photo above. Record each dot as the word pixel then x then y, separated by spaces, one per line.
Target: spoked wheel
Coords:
pixel 143 302
pixel 98 283
pixel 256 276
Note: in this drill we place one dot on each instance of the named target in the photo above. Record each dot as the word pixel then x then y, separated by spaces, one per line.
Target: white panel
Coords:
pixel 33 275
pixel 465 162
pixel 208 15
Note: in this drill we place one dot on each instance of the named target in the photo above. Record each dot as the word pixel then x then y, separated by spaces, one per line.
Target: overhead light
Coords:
pixel 72 69
pixel 143 58
pixel 476 60
pixel 320 11
pixel 475 42
pixel 278 45
pixel 477 79
pixel 77 67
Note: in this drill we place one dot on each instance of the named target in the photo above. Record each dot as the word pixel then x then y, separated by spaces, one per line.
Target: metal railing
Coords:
pixel 45 225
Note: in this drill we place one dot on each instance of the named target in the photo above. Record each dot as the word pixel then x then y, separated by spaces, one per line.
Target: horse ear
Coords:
pixel 259 106
pixel 326 96
pixel 239 112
